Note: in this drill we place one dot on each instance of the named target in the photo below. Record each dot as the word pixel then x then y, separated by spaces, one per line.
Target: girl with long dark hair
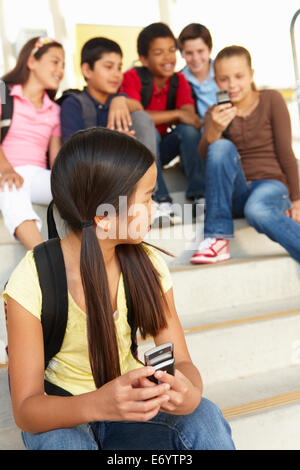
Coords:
pixel 34 131
pixel 95 172
pixel 251 169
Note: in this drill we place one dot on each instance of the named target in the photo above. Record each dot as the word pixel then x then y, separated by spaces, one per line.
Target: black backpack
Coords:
pixel 147 87
pixel 89 111
pixel 194 96
pixel 193 93
pixel 53 283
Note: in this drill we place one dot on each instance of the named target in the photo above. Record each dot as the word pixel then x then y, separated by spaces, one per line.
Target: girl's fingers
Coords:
pixel 149 393
pixel 145 382
pixel 131 377
pixel 143 416
pixel 147 405
pixel 176 383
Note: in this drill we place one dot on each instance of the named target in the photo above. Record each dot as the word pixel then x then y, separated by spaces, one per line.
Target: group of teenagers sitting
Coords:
pixel 237 157
pixel 91 147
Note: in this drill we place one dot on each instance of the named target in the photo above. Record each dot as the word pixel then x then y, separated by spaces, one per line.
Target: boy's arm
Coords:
pixel 188 116
pixel 71 118
pixel 134 105
pixel 164 117
pixel 119 115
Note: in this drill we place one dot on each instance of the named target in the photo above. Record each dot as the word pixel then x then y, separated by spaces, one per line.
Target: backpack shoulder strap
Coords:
pixel 89 111
pixel 6 112
pixel 147 85
pixel 53 282
pixel 194 96
pixel 171 101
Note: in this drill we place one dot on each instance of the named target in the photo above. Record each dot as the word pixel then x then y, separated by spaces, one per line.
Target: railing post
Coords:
pixel 295 58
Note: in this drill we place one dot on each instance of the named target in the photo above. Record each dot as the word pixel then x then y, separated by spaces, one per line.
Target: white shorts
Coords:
pixel 16 205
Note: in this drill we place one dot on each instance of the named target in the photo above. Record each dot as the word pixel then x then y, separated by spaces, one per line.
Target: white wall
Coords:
pixel 263 26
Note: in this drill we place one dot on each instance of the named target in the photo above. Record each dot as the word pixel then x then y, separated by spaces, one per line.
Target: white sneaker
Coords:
pixel 165 216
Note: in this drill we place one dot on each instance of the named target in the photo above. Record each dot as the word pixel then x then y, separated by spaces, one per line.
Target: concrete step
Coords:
pixel 202 289
pixel 275 429
pixel 236 349
pixel 263 410
pixel 182 240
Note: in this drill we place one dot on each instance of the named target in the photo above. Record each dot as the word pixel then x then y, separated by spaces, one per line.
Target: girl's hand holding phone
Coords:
pixel 222 115
pixel 184 397
pixel 121 399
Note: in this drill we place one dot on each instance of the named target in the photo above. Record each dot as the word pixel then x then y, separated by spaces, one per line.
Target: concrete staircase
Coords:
pixel 242 325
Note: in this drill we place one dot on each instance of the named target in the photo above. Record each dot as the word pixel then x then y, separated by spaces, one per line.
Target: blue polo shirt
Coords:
pixel 71 114
pixel 205 91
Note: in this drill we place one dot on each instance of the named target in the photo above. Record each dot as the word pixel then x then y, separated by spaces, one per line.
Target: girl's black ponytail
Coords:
pixel 97 166
pixel 103 350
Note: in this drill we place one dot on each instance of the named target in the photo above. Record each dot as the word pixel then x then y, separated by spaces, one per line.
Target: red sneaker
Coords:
pixel 211 250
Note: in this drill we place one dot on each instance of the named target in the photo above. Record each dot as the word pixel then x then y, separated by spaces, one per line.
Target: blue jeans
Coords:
pixel 204 429
pixel 183 141
pixel 263 203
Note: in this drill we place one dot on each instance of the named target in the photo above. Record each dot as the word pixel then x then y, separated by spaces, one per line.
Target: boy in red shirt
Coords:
pixel 156 47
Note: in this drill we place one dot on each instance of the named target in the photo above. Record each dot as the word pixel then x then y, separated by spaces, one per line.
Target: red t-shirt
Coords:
pixel 132 87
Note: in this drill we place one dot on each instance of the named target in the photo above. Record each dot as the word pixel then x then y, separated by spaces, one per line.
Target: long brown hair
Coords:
pixel 20 73
pixel 232 51
pixel 97 166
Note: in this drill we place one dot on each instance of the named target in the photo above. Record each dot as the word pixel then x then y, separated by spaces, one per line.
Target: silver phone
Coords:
pixel 223 97
pixel 161 358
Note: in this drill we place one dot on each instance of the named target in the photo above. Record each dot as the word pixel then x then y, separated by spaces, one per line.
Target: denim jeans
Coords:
pixel 263 203
pixel 183 141
pixel 204 429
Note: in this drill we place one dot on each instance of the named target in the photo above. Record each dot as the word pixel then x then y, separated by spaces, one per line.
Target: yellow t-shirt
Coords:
pixel 70 368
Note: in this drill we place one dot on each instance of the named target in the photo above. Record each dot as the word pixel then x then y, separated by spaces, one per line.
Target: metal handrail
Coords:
pixel 295 58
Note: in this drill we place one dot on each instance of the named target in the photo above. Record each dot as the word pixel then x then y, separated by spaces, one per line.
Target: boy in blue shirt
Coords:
pixel 100 103
pixel 195 44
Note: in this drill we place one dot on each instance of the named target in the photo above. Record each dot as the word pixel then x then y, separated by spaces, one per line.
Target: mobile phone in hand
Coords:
pixel 161 358
pixel 223 97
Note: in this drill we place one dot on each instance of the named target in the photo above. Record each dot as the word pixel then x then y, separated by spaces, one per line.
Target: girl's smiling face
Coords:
pixel 49 69
pixel 235 75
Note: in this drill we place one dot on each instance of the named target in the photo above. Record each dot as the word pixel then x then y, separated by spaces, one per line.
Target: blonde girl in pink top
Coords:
pixel 34 130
